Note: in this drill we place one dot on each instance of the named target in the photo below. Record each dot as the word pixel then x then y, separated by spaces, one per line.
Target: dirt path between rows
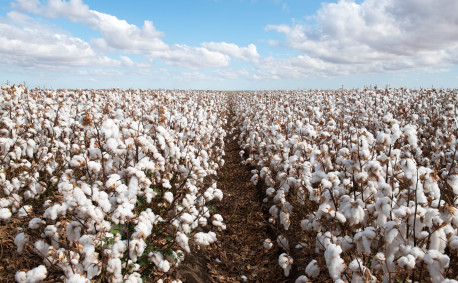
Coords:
pixel 239 254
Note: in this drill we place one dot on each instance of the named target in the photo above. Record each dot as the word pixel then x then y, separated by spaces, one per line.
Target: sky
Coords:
pixel 229 44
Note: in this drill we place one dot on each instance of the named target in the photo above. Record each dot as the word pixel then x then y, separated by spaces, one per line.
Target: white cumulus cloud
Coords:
pixel 378 35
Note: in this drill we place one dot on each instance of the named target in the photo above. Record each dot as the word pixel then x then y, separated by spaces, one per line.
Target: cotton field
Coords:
pixel 122 179
pixel 363 181
pixel 119 185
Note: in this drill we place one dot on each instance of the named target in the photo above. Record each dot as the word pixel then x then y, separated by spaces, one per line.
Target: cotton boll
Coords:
pixel 218 194
pixel 302 279
pixel 168 196
pixel 24 211
pixel 77 278
pixel 5 214
pixel 134 278
pixel 37 274
pixel 436 262
pixel 453 243
pixel 20 240
pixel 452 181
pixel 205 239
pixel 407 261
pixel 20 277
pixel 218 221
pixel 73 231
pixel 268 244
pixel 182 241
pixel 158 259
pixel 36 222
pixel 285 262
pixel 312 269
pixel 334 262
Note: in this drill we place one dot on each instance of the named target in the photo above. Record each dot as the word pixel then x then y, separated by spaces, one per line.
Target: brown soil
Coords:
pixel 239 250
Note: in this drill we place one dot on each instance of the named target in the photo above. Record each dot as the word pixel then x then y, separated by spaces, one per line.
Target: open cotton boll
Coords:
pixel 36 222
pixel 77 278
pixel 20 241
pixel 285 262
pixel 5 214
pixel 302 279
pixel 20 277
pixel 218 221
pixel 334 262
pixel 158 259
pixel 182 241
pixel 268 244
pixel 134 278
pixel 407 261
pixel 168 196
pixel 205 239
pixel 37 274
pixel 24 211
pixel 436 262
pixel 312 269
pixel 452 181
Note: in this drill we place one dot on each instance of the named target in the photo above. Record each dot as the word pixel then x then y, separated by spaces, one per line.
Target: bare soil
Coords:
pixel 239 252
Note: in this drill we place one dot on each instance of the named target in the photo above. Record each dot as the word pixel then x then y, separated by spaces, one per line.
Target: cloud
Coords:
pixel 378 35
pixel 249 53
pixel 119 35
pixel 191 57
pixel 40 46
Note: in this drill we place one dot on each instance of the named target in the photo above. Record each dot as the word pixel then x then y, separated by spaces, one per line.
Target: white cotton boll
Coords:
pixel 94 166
pixel 37 274
pixel 306 225
pixel 114 267
pixel 312 269
pixel 407 261
pixel 20 277
pixel 186 218
pixel 244 278
pixel 73 231
pixel 24 211
pixel 438 240
pixel 182 241
pixel 436 262
pixel 453 243
pixel 285 262
pixel 5 214
pixel 20 241
pixel 218 221
pixel 254 179
pixel 77 278
pixel 274 211
pixel 302 279
pixel 158 259
pixel 268 244
pixel 218 194
pixel 284 219
pixel 270 192
pixel 136 249
pixel 42 247
pixel 36 222
pixel 134 278
pixel 334 262
pixel 56 210
pixel 168 196
pixel 452 181
pixel 205 239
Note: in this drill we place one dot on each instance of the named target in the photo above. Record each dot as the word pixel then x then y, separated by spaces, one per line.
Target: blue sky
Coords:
pixel 229 44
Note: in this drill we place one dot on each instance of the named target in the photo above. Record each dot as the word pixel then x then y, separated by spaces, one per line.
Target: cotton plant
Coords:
pixel 125 165
pixel 369 172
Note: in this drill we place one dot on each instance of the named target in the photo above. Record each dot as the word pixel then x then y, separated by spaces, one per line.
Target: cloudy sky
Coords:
pixel 229 44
